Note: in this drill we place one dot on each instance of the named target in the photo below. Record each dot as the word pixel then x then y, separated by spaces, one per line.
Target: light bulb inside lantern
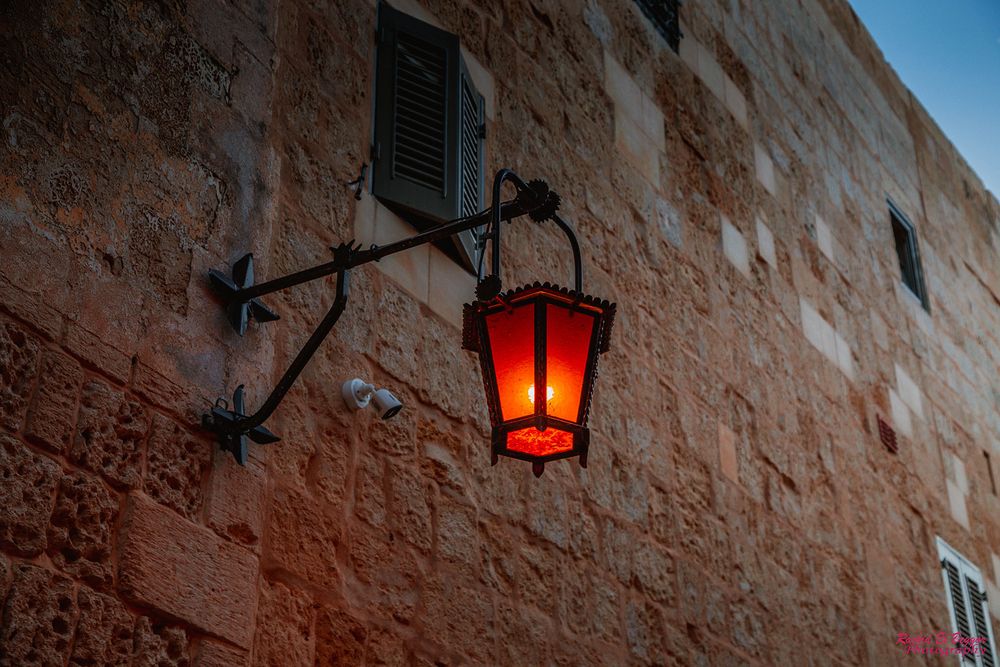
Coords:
pixel 549 392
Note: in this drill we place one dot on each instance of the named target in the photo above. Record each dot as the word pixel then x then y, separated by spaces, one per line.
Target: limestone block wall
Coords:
pixel 738 507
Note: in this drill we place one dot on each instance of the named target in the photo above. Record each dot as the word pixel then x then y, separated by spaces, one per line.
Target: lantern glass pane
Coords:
pixel 512 343
pixel 539 443
pixel 567 345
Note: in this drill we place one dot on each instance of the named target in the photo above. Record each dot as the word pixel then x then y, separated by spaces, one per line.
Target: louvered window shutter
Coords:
pixel 956 595
pixel 472 159
pixel 428 128
pixel 981 621
pixel 968 605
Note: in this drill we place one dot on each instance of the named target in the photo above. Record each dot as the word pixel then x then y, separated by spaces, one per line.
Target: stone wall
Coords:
pixel 739 507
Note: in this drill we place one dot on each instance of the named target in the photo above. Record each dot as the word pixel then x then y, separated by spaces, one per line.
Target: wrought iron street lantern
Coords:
pixel 538 345
pixel 539 336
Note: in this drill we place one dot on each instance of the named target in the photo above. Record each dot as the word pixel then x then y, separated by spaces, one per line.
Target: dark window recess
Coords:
pixel 427 152
pixel 665 16
pixel 990 473
pixel 909 255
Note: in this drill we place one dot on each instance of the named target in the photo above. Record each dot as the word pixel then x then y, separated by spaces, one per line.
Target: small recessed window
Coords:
pixel 665 16
pixel 909 255
pixel 427 153
pixel 989 473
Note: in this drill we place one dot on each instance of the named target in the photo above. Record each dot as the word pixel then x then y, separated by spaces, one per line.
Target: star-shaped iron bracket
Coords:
pixel 236 443
pixel 239 312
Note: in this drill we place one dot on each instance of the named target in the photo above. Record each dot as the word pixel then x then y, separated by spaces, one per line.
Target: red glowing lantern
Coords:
pixel 539 336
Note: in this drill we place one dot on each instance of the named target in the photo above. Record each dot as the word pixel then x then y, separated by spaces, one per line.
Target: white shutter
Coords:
pixel 967 604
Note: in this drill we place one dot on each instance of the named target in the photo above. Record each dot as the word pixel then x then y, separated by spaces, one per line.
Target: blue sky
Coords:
pixel 948 53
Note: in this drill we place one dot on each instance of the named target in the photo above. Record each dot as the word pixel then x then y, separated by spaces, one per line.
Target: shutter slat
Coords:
pixel 981 621
pixel 431 100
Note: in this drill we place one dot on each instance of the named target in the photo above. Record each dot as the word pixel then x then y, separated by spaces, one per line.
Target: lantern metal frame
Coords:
pixel 476 339
pixel 240 296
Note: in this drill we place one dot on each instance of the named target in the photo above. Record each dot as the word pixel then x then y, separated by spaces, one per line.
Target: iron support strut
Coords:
pixel 241 298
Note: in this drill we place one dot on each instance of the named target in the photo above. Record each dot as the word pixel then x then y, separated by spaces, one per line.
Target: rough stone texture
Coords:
pixel 155 645
pixel 235 499
pixel 730 199
pixel 109 433
pixel 103 631
pixel 340 638
pixel 284 628
pixel 38 618
pixel 186 571
pixel 53 407
pixel 27 485
pixel 303 537
pixel 18 360
pixel 79 537
pixel 176 466
pixel 214 654
pixel 5 575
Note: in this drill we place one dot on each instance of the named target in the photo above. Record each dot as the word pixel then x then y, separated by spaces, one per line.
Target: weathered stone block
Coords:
pixel 734 246
pixel 214 654
pixel 19 352
pixel 909 391
pixel 457 539
pixel 5 575
pixel 824 237
pixel 765 169
pixel 38 618
pixel 284 626
pixel 410 270
pixel 340 638
pixel 109 433
pixel 80 532
pixel 457 618
pixel 390 572
pixel 31 307
pixel 53 407
pixel 187 571
pixel 303 536
pixel 98 354
pixel 411 511
pixel 900 414
pixel 235 499
pixel 156 389
pixel 643 631
pixel 728 461
pixel 156 645
pixel 103 631
pixel 654 571
pixel 28 485
pixel 177 462
pixel 765 244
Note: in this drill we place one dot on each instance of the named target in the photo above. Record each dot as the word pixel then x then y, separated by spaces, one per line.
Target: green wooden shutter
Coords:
pixel 428 157
pixel 416 131
pixel 471 162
